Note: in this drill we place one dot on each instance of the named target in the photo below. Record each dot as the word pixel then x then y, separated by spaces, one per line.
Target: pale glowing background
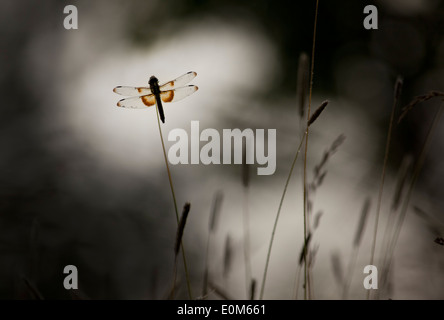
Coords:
pixel 115 214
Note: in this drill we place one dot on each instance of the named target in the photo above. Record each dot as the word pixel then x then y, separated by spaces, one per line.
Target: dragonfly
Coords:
pixel 155 94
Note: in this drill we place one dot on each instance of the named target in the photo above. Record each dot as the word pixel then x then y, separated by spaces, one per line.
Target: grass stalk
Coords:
pixel 175 204
pixel 306 271
pixel 398 86
pixel 246 220
pixel 211 229
pixel 252 289
pixel 228 259
pixel 401 181
pixel 277 218
pixel 177 244
pixel 247 258
pixel 356 244
pixel 296 282
pixel 417 170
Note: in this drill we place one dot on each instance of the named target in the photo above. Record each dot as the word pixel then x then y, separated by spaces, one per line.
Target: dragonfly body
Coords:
pixel 155 94
pixel 154 86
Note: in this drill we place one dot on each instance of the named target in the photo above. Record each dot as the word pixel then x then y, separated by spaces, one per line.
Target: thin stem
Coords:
pixel 246 223
pixel 175 204
pixel 205 282
pixel 385 247
pixel 296 282
pixel 416 172
pixel 381 186
pixel 306 271
pixel 277 217
pixel 350 271
pixel 173 289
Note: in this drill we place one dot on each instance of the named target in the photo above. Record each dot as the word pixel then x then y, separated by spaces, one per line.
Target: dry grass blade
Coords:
pixel 362 222
pixel 417 100
pixel 252 289
pixel 321 164
pixel 356 243
pixel 217 203
pixel 317 219
pixel 309 206
pixel 245 168
pixel 398 88
pixel 181 227
pixel 312 255
pixel 302 89
pixel 403 175
pixel 397 92
pixel 337 268
pixel 416 171
pixel 402 178
pixel 317 113
pixel 319 175
pixel 337 143
pixel 319 170
pixel 228 254
pixel 270 246
pixel 245 218
pixel 321 178
pixel 296 282
pixel 205 282
pixel 310 95
pixel 303 253
pixel 433 225
pixel 333 148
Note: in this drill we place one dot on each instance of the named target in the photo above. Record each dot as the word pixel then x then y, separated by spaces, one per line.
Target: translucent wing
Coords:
pixel 132 91
pixel 141 102
pixel 150 99
pixel 179 82
pixel 177 94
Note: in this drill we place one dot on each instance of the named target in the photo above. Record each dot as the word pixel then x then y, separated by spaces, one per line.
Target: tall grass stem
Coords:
pixel 277 219
pixel 417 170
pixel 310 95
pixel 175 204
pixel 397 93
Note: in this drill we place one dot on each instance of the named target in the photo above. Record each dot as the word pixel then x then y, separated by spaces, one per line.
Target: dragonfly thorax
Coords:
pixel 153 80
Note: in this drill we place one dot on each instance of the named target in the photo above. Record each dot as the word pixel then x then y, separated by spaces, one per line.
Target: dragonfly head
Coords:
pixel 152 81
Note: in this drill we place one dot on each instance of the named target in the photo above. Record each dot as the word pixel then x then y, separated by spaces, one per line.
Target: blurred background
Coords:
pixel 84 182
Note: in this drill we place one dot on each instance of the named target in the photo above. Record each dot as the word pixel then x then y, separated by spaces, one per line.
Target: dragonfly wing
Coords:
pixel 132 91
pixel 141 102
pixel 179 82
pixel 177 94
